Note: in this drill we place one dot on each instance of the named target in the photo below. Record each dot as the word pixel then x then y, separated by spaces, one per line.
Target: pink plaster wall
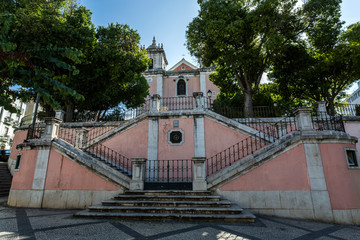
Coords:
pixel 170 152
pixel 353 128
pixel 285 172
pixel 23 178
pixel 219 137
pixel 131 143
pixel 19 137
pixel 64 174
pixel 343 183
pixel 152 85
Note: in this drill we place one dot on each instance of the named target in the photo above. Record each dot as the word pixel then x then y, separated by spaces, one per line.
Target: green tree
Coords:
pixel 31 62
pixel 33 69
pixel 326 63
pixel 113 71
pixel 242 38
pixel 102 66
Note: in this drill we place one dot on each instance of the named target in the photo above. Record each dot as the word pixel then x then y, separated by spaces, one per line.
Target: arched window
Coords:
pixel 181 87
pixel 151 63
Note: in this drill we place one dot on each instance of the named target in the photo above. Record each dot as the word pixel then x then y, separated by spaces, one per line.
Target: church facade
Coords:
pixel 181 80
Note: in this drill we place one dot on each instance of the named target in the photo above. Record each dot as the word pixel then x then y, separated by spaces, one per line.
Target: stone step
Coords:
pixel 169 197
pixel 186 210
pixel 244 217
pixel 156 203
pixel 4 193
pixel 168 192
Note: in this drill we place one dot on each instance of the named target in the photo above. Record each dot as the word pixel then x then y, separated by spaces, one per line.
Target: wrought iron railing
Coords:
pixel 68 135
pixel 326 122
pixel 348 110
pixel 237 112
pixel 234 153
pixel 169 170
pixel 113 115
pixel 267 133
pixel 35 132
pixel 97 132
pixel 274 130
pixel 111 157
pixel 177 103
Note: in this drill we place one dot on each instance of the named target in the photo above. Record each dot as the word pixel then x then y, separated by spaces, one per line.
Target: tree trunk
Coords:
pixel 248 105
pixel 331 108
pixel 69 113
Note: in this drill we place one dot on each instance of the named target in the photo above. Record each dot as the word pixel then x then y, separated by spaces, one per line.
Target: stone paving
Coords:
pixel 26 223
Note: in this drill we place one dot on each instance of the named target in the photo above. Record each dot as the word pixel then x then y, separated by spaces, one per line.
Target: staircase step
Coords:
pixel 155 203
pixel 169 197
pixel 168 192
pixel 186 210
pixel 244 217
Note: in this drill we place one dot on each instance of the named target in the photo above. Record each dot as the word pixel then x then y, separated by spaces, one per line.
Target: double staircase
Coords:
pixel 169 205
pixel 5 180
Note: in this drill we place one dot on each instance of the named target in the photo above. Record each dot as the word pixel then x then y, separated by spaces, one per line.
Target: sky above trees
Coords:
pixel 167 20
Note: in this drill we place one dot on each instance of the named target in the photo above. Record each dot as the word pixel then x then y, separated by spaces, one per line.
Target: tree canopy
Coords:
pixel 242 38
pixel 67 60
pixel 28 65
pixel 326 63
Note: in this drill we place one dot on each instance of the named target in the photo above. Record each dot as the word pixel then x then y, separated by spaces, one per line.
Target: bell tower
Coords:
pixel 157 55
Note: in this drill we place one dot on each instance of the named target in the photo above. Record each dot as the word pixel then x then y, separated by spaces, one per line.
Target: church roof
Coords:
pixel 185 63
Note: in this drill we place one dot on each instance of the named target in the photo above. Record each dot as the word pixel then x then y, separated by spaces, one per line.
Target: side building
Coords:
pixel 9 122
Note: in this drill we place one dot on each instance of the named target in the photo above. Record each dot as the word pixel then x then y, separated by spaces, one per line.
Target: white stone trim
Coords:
pixel 199 136
pixel 159 84
pixel 183 61
pixel 153 143
pixel 203 83
pixel 41 169
pixel 319 193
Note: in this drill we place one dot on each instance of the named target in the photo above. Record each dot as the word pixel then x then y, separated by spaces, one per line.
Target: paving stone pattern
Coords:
pixel 25 223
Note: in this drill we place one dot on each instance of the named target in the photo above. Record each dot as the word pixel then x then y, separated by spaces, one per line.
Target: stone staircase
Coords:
pixel 169 205
pixel 5 180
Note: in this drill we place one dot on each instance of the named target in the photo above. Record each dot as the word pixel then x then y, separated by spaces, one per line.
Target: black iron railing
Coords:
pixel 109 156
pixel 274 130
pixel 97 132
pixel 177 103
pixel 169 170
pixel 237 112
pixel 68 135
pixel 35 132
pixel 234 153
pixel 267 133
pixel 326 122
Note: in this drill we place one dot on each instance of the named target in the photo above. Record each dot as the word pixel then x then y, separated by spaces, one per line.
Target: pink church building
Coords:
pixel 178 159
pixel 181 80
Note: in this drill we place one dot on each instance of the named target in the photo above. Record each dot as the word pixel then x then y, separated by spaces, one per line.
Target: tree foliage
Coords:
pixel 242 38
pixel 113 71
pixel 67 60
pixel 328 60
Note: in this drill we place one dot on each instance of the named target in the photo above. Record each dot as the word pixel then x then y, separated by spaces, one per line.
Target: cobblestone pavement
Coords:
pixel 26 223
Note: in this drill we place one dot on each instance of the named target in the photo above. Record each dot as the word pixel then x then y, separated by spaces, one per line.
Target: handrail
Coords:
pixel 108 155
pixel 267 133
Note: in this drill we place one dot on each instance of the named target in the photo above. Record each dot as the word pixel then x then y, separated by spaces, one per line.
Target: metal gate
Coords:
pixel 169 174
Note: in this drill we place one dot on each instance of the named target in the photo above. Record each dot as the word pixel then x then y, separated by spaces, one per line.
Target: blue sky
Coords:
pixel 167 20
